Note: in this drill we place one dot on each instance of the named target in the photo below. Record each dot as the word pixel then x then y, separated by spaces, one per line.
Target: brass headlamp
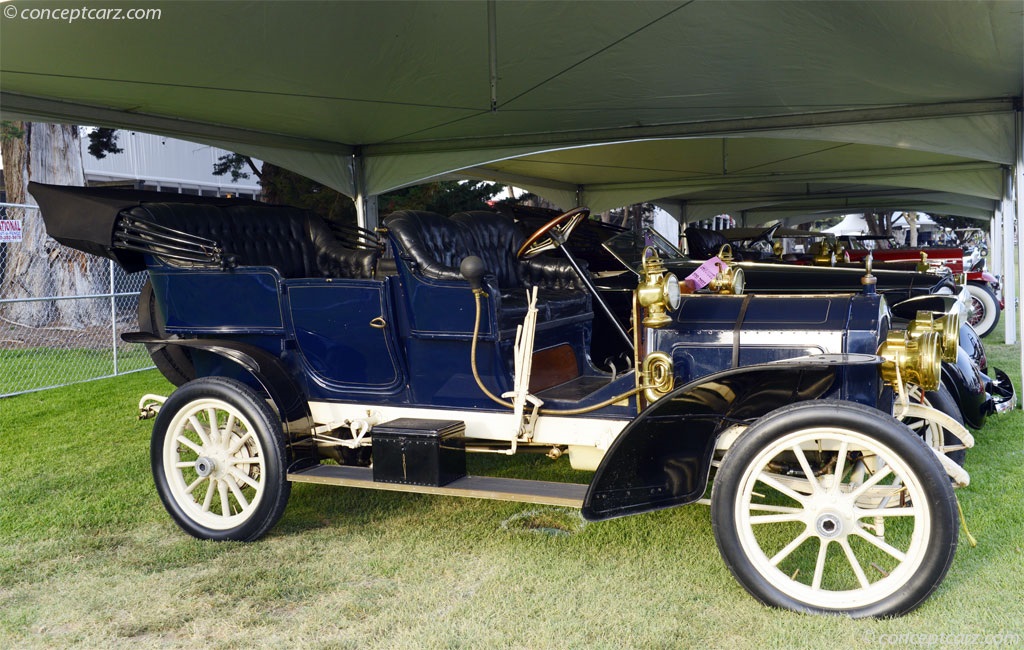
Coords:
pixel 658 291
pixel 918 359
pixel 947 326
pixel 730 278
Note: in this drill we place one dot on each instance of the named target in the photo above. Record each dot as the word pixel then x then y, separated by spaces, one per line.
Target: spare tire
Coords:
pixel 173 361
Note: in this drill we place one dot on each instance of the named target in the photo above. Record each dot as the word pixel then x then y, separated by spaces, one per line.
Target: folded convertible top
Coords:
pixel 84 217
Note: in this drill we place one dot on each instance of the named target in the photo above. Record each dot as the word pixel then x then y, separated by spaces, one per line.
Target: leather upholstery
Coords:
pixel 437 245
pixel 294 241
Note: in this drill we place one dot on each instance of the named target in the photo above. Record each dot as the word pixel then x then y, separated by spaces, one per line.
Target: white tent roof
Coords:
pixel 761 108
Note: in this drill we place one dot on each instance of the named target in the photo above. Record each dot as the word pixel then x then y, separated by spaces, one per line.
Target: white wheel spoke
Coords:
pixel 225 509
pixel 886 512
pixel 854 564
pixel 239 442
pixel 199 429
pixel 191 445
pixel 242 501
pixel 880 545
pixel 209 495
pixel 229 430
pixel 819 564
pixel 194 484
pixel 806 467
pixel 211 415
pixel 183 464
pixel 844 448
pixel 245 478
pixel 866 485
pixel 792 546
pixel 767 479
pixel 767 507
pixel 777 519
pixel 251 460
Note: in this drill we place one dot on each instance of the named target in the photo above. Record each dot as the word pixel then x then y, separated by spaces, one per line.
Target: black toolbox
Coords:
pixel 419 452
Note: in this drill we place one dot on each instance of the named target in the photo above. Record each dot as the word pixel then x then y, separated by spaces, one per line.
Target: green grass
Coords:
pixel 89 558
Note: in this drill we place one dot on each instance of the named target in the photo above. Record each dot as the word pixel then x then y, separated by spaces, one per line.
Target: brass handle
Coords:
pixel 379 323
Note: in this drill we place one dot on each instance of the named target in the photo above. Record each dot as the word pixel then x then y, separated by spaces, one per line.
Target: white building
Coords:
pixel 154 162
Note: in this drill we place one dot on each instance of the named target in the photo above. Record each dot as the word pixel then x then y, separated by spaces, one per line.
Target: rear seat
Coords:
pixel 296 242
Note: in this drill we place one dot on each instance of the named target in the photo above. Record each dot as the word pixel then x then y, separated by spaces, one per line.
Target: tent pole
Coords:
pixel 366 204
pixel 1018 188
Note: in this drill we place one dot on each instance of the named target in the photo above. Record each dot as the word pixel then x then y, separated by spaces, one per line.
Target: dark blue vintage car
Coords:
pixel 323 358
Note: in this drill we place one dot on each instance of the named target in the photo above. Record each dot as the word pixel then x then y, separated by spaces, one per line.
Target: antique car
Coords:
pixel 320 360
pixel 773 244
pixel 985 301
pixel 967 391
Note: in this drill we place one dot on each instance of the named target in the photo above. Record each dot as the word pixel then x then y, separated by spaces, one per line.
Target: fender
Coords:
pixel 966 383
pixel 663 458
pixel 264 367
pixel 907 309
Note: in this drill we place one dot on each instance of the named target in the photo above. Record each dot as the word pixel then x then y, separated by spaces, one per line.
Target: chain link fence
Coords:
pixel 52 340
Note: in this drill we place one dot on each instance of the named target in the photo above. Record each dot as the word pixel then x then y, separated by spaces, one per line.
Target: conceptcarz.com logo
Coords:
pixel 74 14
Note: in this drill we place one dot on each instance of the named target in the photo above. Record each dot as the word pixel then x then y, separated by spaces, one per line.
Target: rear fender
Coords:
pixel 264 367
pixel 663 458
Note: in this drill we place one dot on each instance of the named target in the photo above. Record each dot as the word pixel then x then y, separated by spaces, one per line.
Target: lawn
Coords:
pixel 89 558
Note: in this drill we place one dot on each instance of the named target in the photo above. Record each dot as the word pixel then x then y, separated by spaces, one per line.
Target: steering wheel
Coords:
pixel 552 234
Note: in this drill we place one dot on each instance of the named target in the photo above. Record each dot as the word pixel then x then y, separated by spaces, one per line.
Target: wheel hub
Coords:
pixel 829 525
pixel 205 466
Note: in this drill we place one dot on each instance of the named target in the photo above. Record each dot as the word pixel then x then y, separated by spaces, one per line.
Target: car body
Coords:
pixel 316 357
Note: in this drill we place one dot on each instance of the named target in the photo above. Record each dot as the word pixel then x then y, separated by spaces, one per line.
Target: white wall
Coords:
pixel 163 163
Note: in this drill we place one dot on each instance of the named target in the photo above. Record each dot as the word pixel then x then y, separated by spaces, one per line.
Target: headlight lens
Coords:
pixel 672 293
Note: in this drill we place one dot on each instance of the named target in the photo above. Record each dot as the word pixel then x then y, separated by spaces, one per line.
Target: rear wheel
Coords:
pixel 831 507
pixel 218 457
pixel 982 308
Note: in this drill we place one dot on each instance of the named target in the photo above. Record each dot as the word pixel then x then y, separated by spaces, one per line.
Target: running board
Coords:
pixel 478 487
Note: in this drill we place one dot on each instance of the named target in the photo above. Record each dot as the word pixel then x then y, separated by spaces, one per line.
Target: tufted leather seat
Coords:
pixel 437 245
pixel 296 242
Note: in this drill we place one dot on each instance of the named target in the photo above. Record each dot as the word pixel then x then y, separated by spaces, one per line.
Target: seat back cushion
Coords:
pixel 296 242
pixel 435 243
pixel 497 242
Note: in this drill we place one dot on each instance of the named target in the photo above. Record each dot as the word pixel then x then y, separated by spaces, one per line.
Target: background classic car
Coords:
pixel 306 346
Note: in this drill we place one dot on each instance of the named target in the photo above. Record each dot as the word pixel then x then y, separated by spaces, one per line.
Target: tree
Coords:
pixel 879 223
pixel 38 266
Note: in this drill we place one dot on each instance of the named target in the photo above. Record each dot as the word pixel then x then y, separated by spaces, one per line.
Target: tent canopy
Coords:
pixel 763 108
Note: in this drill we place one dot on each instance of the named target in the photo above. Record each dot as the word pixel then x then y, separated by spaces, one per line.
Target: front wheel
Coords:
pixel 834 508
pixel 218 458
pixel 982 308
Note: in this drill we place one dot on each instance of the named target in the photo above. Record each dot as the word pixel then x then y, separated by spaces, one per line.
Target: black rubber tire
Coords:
pixel 173 362
pixel 941 538
pixel 983 311
pixel 267 429
pixel 942 400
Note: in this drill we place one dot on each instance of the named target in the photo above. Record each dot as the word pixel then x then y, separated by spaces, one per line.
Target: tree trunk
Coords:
pixel 38 266
pixel 911 218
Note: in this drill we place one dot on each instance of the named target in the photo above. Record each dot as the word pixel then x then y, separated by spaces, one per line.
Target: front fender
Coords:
pixel 663 458
pixel 966 383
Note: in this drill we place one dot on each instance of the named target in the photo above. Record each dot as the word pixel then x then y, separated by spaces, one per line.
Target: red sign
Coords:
pixel 10 230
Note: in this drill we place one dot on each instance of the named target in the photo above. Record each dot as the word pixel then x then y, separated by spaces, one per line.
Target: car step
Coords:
pixel 478 487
